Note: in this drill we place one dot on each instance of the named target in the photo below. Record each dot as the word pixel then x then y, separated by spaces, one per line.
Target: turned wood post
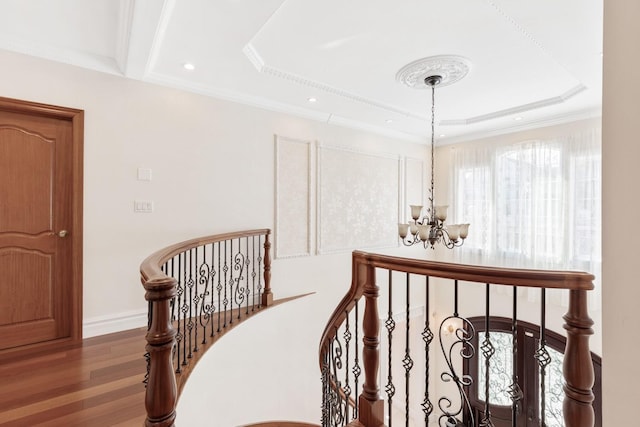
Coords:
pixel 578 366
pixel 267 296
pixel 371 407
pixel 161 393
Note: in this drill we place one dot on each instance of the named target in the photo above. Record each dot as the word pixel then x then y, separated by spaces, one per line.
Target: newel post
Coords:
pixel 578 366
pixel 161 393
pixel 371 407
pixel 267 296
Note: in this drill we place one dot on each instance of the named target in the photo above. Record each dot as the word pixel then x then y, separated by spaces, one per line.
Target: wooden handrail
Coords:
pixel 162 390
pixel 150 268
pixel 548 279
pixel 578 368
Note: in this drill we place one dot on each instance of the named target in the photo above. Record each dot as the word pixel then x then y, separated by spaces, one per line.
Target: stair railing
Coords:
pixel 350 357
pixel 196 291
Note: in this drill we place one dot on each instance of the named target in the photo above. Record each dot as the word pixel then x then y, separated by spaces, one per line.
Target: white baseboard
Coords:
pixel 102 325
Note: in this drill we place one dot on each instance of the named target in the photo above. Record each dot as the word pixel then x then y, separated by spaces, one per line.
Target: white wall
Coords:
pixel 621 151
pixel 213 171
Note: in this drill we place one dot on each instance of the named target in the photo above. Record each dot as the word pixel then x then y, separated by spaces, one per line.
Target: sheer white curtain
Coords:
pixel 531 204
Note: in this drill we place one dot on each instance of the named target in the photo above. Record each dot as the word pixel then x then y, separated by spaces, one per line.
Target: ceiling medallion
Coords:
pixel 452 69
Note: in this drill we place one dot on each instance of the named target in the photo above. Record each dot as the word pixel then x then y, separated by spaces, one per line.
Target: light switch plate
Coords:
pixel 144 174
pixel 143 206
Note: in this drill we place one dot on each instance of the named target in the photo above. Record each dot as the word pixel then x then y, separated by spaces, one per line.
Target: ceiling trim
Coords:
pixel 258 62
pixel 104 64
pixel 125 21
pixel 256 59
pixel 591 113
pixel 234 96
pixel 517 109
pixel 161 32
pixel 147 32
pixel 268 104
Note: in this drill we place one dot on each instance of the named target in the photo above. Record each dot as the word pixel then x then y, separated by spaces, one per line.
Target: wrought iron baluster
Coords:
pixel 338 418
pixel 225 268
pixel 325 390
pixel 253 272
pixel 260 258
pixel 247 264
pixel 205 309
pixel 488 350
pixel 427 337
pixel 173 300
pixel 515 392
pixel 347 388
pixel 219 288
pixel 239 263
pixel 196 299
pixel 190 284
pixel 184 308
pixel 407 362
pixel 231 257
pixel 390 324
pixel 463 336
pixel 213 279
pixel 356 366
pixel 543 358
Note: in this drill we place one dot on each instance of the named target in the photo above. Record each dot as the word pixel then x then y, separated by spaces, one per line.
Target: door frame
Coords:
pixel 76 118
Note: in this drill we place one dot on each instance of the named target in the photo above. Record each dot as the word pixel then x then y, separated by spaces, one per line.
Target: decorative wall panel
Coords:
pixel 293 198
pixel 358 197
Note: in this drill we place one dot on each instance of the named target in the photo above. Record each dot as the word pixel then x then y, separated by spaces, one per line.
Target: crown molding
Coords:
pixel 233 96
pixel 125 22
pixel 255 58
pixel 268 104
pixel 517 109
pixel 379 130
pixel 591 113
pixel 161 31
pixel 103 64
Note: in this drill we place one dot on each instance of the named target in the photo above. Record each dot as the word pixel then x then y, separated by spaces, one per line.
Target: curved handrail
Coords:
pixel 577 321
pixel 549 279
pixel 150 269
pixel 162 294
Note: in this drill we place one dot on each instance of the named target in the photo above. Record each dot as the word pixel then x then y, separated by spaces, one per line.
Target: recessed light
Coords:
pixel 442 135
pixel 388 121
pixel 312 99
pixel 517 118
pixel 189 66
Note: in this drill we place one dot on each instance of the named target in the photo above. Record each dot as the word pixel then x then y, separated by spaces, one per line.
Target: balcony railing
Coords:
pixel 422 365
pixel 197 290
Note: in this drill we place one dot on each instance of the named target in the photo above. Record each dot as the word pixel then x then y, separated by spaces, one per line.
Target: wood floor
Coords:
pixel 96 383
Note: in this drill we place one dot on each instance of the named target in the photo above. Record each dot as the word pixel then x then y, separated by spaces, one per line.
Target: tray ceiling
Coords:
pixel 532 63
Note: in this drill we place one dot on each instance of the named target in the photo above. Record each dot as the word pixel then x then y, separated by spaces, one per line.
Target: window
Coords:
pixel 533 204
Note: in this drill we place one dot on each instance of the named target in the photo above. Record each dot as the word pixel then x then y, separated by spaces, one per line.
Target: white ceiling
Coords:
pixel 539 60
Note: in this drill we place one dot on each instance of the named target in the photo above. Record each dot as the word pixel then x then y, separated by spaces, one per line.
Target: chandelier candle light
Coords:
pixel 430 228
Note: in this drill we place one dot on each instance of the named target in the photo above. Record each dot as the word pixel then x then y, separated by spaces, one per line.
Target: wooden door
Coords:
pixel 40 225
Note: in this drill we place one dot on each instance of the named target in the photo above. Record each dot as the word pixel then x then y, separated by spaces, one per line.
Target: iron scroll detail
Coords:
pixel 463 334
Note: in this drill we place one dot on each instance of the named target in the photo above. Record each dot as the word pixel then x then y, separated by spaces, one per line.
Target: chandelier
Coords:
pixel 430 229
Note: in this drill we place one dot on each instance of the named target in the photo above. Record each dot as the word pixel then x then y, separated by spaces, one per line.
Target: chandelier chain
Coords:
pixel 433 144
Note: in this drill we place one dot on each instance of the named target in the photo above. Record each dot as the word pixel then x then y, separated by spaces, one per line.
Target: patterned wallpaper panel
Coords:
pixel 358 200
pixel 334 199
